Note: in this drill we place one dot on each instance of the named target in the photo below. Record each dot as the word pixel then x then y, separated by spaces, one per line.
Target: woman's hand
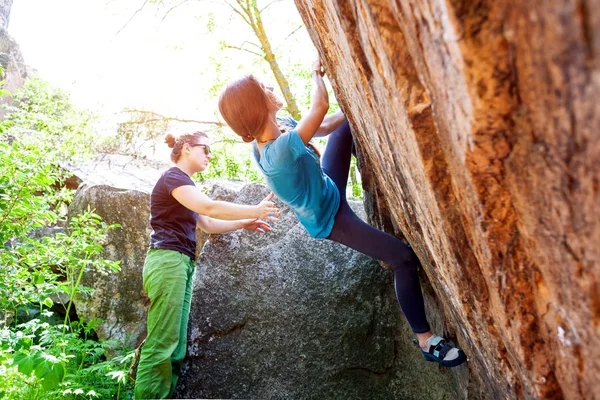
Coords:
pixel 267 209
pixel 318 68
pixel 256 225
pixel 319 104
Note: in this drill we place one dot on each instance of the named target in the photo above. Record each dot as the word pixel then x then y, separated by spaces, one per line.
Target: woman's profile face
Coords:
pixel 200 153
pixel 275 103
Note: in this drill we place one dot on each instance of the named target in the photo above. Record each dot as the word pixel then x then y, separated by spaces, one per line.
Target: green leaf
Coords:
pixel 24 362
pixel 53 377
pixel 38 279
pixel 48 302
pixel 42 369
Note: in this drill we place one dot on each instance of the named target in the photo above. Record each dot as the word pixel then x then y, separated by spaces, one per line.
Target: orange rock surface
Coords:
pixel 478 124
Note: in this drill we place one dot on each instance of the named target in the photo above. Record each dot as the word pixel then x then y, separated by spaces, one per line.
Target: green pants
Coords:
pixel 168 281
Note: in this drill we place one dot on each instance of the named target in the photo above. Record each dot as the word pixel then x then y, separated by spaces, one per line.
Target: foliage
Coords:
pixel 354 181
pixel 45 358
pixel 38 361
pixel 231 160
pixel 43 117
pixel 270 42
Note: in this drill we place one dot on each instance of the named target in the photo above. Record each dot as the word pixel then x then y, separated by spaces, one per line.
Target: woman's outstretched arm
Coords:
pixel 192 198
pixel 330 123
pixel 308 126
pixel 213 226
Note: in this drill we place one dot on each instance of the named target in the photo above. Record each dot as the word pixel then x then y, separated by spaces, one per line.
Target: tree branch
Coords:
pixel 130 19
pixel 249 51
pixel 171 9
pixel 294 31
pixel 253 44
pixel 265 7
pixel 160 117
pixel 238 12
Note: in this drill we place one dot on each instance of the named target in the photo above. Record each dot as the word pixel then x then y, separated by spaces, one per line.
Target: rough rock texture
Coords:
pixel 5 6
pixel 119 171
pixel 478 124
pixel 119 297
pixel 284 316
pixel 274 316
pixel 11 59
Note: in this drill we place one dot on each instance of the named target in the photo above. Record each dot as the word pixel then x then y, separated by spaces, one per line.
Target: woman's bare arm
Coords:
pixel 308 126
pixel 192 198
pixel 330 123
pixel 215 226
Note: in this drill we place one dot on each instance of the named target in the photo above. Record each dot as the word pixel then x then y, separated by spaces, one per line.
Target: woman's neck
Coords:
pixel 270 132
pixel 185 167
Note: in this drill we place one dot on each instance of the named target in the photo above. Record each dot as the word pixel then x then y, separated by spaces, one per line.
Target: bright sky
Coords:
pixel 161 65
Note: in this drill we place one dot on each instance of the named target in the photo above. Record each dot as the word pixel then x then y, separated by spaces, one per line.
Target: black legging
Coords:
pixel 351 231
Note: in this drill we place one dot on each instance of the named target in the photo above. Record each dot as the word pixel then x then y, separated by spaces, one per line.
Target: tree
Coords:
pixel 250 13
pixel 265 51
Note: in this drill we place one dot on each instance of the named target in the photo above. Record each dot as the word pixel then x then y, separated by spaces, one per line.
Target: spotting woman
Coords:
pixel 176 206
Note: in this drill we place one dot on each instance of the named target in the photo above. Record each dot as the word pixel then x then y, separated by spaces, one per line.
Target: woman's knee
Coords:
pixel 406 259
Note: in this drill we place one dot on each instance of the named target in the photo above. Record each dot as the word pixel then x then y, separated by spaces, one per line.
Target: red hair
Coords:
pixel 176 143
pixel 244 107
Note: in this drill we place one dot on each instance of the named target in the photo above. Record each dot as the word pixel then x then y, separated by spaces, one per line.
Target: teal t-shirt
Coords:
pixel 293 172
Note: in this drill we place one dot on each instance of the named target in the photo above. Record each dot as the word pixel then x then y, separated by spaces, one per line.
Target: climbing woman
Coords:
pixel 314 188
pixel 176 206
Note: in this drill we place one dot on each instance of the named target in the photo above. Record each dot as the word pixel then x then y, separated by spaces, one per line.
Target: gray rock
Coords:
pixel 5 6
pixel 277 315
pixel 119 297
pixel 118 171
pixel 283 315
pixel 11 59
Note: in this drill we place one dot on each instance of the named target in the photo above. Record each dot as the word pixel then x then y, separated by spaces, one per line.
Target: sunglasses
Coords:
pixel 206 147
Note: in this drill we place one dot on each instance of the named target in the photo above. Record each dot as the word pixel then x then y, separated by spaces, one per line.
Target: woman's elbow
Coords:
pixel 323 106
pixel 207 209
pixel 324 129
pixel 320 108
pixel 204 229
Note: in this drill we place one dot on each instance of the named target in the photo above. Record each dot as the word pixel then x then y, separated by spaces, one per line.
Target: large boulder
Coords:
pixel 118 297
pixel 477 125
pixel 277 315
pixel 282 315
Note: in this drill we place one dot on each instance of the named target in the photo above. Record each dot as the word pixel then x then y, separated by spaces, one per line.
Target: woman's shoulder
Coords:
pixel 286 123
pixel 287 139
pixel 282 151
pixel 172 172
pixel 174 177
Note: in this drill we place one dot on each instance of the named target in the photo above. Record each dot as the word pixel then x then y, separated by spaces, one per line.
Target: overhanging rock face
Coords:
pixel 477 123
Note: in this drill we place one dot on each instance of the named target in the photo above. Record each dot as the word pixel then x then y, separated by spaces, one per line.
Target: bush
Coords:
pixel 42 358
pixel 43 117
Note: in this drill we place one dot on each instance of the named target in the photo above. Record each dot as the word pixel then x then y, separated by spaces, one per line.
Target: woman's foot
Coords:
pixel 437 349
